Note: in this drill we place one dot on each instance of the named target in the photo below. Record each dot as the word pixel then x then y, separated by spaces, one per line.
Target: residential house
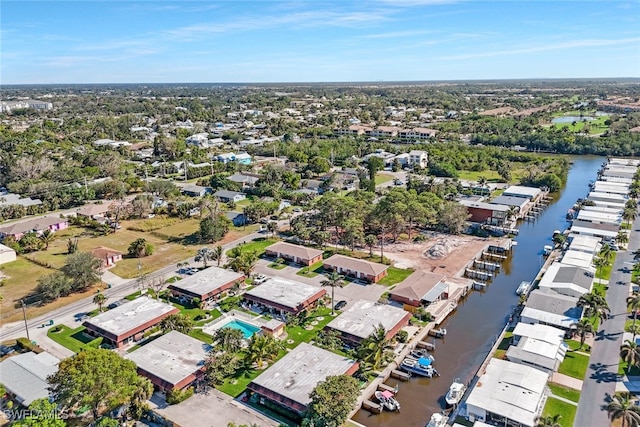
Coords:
pixel 508 393
pixel 36 225
pixel 226 196
pixel 237 218
pixel 418 158
pixel 486 213
pixel 421 288
pixel 194 190
pixel 567 280
pixel 94 211
pixel 538 346
pixel 354 267
pixel 109 257
pixel 6 254
pixel 547 307
pixel 294 253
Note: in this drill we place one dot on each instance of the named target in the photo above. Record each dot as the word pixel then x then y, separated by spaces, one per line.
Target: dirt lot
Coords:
pixel 441 253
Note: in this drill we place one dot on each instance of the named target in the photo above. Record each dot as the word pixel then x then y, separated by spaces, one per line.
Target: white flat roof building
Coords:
pixel 594 229
pixel 608 204
pixel 610 187
pixel 587 244
pixel 206 283
pixel 285 295
pixel 579 259
pixel 522 191
pixel 508 390
pixel 291 379
pixel 25 375
pixel 624 161
pixel 361 319
pixel 599 217
pixel 602 209
pixel 539 346
pixel 607 197
pixel 172 361
pixel 567 280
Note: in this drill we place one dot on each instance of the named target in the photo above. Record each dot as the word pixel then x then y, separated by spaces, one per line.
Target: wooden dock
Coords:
pixel 372 406
pixel 428 345
pixel 400 375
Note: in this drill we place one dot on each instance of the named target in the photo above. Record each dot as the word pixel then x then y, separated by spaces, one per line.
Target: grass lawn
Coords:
pixel 199 335
pixel 503 346
pixel 73 339
pixel 277 266
pixel 235 385
pixel 381 178
pixel 566 410
pixel 600 288
pixel 566 392
pixel 605 272
pixel 257 245
pixel 22 279
pixel 299 334
pixel 623 369
pixel 574 365
pixel 312 271
pixel 395 275
pixel 573 344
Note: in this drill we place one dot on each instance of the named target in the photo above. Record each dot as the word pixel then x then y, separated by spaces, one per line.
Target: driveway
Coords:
pixel 602 373
pixel 210 409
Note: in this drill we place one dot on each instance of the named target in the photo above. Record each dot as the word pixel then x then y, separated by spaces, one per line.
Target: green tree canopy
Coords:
pixel 43 414
pixel 98 378
pixel 331 401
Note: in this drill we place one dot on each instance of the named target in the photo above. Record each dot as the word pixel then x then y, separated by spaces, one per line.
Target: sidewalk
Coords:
pixel 566 381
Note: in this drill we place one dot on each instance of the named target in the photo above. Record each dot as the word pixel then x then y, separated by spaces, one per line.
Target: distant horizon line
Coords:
pixel 362 82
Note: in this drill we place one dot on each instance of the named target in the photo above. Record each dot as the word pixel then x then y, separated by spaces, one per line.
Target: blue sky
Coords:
pixel 315 41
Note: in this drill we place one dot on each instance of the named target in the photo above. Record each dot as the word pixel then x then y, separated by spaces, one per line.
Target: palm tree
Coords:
pixel 217 254
pixel 47 237
pixel 143 391
pixel 633 304
pixel 272 227
pixel 550 421
pixel 633 329
pixel 595 305
pixel 622 407
pixel 606 253
pixel 630 353
pixel 622 237
pixel 374 348
pixel 99 299
pixel 482 182
pixel 629 215
pixel 176 322
pixel 600 263
pixel 263 348
pixel 512 213
pixel 582 328
pixel 334 280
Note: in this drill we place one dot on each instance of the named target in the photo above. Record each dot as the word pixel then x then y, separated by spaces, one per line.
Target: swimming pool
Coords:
pixel 247 328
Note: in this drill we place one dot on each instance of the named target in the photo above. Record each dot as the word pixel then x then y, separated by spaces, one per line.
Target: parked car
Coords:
pixel 259 279
pixel 340 305
pixel 6 350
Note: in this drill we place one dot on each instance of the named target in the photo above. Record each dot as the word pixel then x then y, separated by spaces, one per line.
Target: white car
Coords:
pixel 259 279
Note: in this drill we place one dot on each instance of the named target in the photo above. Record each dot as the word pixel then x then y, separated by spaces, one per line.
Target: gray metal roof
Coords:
pixel 25 375
pixel 435 292
pixel 363 317
pixel 172 357
pixel 297 373
pixel 552 302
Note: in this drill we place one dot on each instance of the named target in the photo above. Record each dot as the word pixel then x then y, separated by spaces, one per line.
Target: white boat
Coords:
pixel 455 393
pixel 418 353
pixel 437 420
pixel 438 333
pixel 422 367
pixel 387 400
pixel 523 288
pixel 547 250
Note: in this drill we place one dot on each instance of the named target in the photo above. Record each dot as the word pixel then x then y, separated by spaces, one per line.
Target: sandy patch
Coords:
pixel 441 253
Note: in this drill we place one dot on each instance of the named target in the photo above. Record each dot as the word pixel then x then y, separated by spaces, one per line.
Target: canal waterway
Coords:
pixel 474 326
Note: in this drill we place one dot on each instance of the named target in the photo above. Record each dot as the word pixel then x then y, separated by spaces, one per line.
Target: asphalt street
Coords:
pixel 602 373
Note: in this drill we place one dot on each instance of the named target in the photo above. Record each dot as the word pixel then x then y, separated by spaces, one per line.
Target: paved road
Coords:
pixel 66 315
pixel 602 373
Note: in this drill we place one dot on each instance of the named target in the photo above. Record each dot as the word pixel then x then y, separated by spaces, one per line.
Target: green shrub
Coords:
pixel 402 336
pixel 176 396
pixel 27 345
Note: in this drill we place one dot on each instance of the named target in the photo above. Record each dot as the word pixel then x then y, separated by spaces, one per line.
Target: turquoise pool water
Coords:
pixel 247 328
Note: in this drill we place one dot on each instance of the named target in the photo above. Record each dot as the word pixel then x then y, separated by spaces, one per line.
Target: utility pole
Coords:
pixel 24 315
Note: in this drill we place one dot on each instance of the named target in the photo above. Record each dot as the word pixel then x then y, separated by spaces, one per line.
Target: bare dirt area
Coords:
pixel 440 253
